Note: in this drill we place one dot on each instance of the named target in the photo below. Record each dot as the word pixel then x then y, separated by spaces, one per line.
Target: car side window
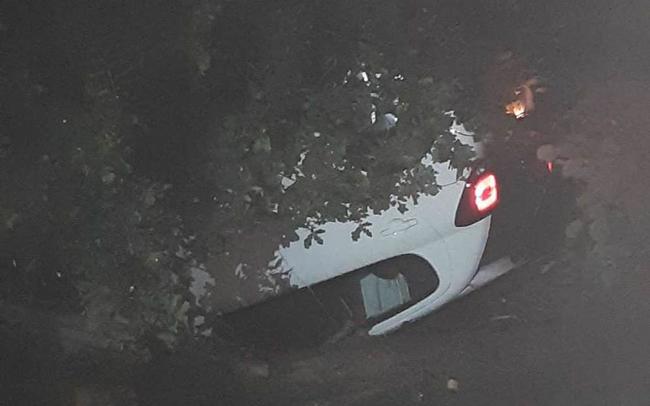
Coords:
pixel 378 291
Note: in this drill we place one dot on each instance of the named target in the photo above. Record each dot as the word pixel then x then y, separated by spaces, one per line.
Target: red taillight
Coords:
pixel 486 193
pixel 479 199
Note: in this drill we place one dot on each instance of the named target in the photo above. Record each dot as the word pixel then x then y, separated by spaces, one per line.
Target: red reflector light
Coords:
pixel 549 166
pixel 485 192
pixel 479 199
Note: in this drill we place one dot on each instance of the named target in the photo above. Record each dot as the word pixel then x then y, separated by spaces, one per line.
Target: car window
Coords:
pixel 378 291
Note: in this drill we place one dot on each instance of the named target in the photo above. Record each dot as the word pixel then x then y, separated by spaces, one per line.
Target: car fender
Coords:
pixel 455 260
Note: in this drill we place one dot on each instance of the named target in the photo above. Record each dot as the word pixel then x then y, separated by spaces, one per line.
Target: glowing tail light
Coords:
pixel 486 193
pixel 479 199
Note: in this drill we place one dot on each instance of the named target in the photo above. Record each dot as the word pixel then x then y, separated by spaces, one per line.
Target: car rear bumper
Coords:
pixel 489 272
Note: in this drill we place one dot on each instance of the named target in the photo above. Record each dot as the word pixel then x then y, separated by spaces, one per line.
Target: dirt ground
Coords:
pixel 569 328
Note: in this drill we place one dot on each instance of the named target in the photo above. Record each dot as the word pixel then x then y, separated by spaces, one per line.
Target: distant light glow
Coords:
pixel 517 109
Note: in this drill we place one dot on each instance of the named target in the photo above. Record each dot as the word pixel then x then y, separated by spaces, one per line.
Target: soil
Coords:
pixel 568 327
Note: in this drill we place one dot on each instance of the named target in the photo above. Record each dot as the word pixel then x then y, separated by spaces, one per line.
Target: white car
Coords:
pixel 414 262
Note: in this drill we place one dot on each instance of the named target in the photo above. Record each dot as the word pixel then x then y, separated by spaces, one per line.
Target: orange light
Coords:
pixel 517 109
pixel 486 193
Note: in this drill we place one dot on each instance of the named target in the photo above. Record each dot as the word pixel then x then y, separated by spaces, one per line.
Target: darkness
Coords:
pixel 128 84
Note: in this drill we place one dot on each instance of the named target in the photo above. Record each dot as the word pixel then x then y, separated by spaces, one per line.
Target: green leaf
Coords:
pixel 462 155
pixel 356 234
pixel 361 228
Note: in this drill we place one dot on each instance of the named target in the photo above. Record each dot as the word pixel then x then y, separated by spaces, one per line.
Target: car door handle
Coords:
pixel 398 226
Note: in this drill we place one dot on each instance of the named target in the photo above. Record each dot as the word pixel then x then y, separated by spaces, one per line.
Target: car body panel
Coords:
pixel 426 229
pixel 393 233
pixel 455 260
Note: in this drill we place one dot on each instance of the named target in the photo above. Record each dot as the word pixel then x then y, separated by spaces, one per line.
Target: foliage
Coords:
pixel 284 112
